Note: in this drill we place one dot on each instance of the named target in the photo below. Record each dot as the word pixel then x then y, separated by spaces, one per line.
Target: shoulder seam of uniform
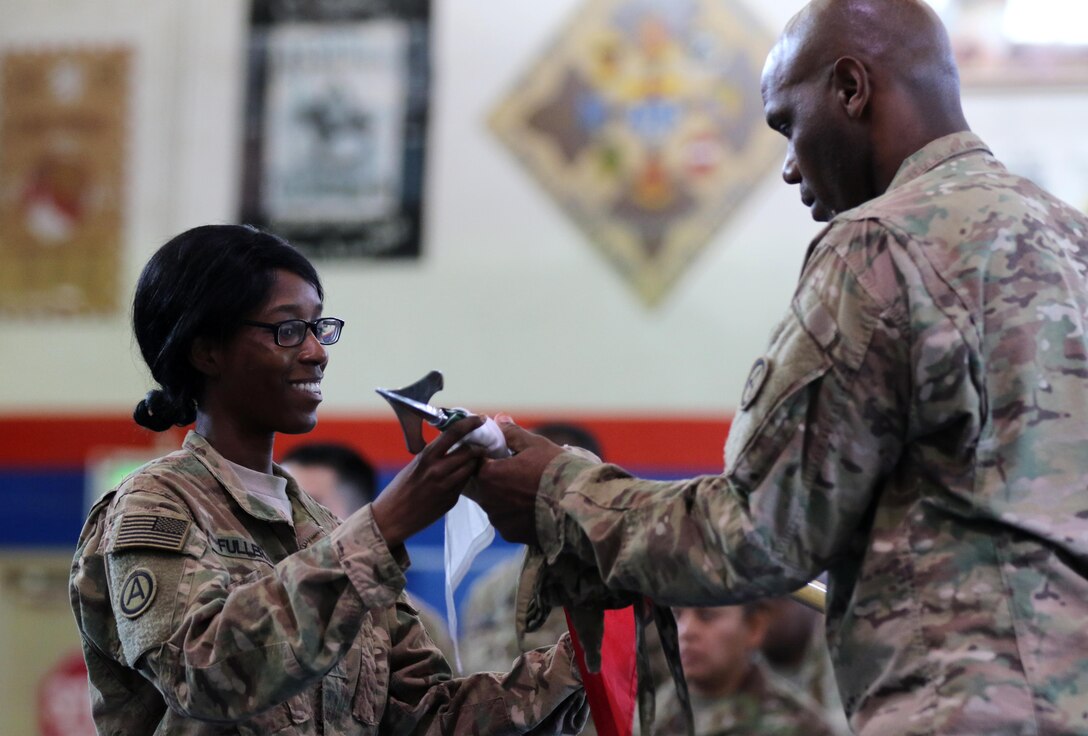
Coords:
pixel 174 500
pixel 859 276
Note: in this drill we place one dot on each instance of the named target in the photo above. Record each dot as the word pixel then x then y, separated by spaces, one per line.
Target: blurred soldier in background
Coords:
pixel 732 692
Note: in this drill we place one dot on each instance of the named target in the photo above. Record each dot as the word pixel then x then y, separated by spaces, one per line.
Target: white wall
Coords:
pixel 539 320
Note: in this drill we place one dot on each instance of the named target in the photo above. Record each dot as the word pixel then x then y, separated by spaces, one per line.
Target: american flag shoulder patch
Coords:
pixel 151 530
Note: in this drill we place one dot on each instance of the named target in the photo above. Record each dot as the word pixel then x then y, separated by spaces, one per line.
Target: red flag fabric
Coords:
pixel 612 692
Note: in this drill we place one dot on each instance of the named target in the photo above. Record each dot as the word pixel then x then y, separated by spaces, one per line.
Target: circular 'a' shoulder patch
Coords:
pixel 137 592
pixel 756 378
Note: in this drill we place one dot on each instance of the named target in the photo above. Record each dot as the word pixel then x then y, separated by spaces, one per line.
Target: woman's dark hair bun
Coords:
pixel 159 411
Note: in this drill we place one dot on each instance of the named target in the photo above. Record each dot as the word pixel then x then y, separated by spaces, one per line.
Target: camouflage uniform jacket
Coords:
pixel 919 428
pixel 204 612
pixel 762 706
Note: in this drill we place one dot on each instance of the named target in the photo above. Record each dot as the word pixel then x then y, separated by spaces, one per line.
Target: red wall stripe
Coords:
pixel 661 442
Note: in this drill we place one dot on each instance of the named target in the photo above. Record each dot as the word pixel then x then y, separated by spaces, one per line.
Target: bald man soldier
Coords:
pixel 918 426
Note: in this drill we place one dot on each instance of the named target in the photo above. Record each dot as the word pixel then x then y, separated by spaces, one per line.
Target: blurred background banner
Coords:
pixel 62 166
pixel 336 123
pixel 644 121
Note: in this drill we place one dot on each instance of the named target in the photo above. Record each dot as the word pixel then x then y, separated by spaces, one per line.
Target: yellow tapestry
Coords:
pixel 62 142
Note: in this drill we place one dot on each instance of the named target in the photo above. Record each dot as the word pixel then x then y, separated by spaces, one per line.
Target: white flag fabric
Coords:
pixel 468 532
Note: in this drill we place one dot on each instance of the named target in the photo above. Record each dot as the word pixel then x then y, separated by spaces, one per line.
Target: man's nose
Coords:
pixel 790 173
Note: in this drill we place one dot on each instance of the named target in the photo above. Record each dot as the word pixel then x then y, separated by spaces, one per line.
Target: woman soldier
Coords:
pixel 214 596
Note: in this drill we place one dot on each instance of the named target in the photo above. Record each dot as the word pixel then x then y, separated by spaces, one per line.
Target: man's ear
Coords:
pixel 205 356
pixel 850 80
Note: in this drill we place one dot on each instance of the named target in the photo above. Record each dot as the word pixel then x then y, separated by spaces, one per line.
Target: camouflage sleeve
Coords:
pixel 542 693
pixel 822 418
pixel 224 650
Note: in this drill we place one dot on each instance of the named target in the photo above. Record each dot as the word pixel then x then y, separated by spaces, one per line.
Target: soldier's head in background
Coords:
pixel 338 477
pixel 789 632
pixel 569 433
pixel 718 645
pixel 856 87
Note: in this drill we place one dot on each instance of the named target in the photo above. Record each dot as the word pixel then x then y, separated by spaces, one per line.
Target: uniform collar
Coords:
pixel 218 466
pixel 925 159
pixel 936 153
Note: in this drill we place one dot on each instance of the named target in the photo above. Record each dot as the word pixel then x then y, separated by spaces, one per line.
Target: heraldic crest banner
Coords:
pixel 644 120
pixel 62 133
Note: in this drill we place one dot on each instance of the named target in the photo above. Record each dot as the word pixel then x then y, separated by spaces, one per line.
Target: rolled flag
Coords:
pixel 612 692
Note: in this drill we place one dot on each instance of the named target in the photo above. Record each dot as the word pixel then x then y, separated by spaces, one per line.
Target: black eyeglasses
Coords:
pixel 292 332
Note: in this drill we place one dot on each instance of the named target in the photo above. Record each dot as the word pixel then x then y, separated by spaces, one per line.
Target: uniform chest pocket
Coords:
pixel 285 719
pixel 772 404
pixel 242 558
pixel 241 573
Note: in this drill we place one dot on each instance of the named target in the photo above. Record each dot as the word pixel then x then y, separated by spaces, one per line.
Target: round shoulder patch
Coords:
pixel 137 592
pixel 756 377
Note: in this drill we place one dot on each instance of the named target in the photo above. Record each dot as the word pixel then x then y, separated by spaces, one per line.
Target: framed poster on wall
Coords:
pixel 62 178
pixel 336 117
